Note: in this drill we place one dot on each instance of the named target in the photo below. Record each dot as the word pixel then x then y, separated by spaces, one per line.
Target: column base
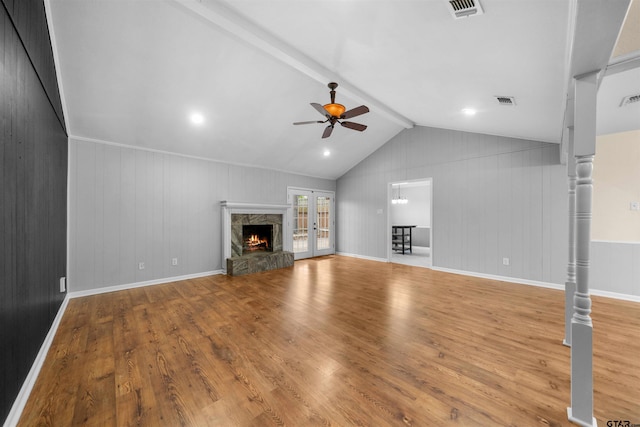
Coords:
pixel 594 422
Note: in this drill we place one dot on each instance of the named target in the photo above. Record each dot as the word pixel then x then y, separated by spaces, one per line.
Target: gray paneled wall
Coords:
pixel 493 198
pixel 129 206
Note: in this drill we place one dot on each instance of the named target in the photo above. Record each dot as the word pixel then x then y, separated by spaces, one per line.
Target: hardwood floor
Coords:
pixel 331 341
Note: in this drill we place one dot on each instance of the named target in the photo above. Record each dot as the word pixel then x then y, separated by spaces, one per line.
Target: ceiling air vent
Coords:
pixel 464 8
pixel 631 99
pixel 506 100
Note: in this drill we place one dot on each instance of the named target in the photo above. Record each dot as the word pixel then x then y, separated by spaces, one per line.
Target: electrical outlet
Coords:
pixel 63 284
pixel 141 266
pixel 634 206
pixel 174 261
pixel 505 261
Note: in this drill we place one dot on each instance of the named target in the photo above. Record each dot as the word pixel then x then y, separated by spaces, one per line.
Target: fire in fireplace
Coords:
pixel 257 238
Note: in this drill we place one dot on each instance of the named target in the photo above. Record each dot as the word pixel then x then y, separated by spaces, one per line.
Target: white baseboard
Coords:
pixel 32 376
pixel 501 278
pixel 370 258
pixel 596 292
pixel 616 295
pixel 104 290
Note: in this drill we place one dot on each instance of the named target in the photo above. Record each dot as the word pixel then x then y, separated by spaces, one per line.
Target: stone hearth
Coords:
pixel 255 263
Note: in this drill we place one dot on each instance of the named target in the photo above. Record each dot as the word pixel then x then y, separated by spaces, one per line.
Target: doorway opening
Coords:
pixel 409 223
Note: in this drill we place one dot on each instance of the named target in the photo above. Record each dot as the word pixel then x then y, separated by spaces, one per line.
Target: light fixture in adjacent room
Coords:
pixel 399 200
pixel 196 118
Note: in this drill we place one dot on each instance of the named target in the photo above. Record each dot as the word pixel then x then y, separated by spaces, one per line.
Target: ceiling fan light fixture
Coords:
pixel 336 114
pixel 335 110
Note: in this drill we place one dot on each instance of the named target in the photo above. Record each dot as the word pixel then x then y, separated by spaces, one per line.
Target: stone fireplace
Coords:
pixel 253 238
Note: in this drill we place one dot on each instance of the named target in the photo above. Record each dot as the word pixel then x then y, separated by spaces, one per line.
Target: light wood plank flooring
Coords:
pixel 331 341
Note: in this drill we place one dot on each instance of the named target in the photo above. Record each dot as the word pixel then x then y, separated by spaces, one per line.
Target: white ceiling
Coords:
pixel 132 71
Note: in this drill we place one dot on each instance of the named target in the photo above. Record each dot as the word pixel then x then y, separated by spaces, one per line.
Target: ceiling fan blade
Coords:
pixel 309 122
pixel 354 126
pixel 321 109
pixel 327 131
pixel 355 112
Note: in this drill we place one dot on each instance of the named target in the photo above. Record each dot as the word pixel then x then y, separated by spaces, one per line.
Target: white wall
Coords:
pixel 417 211
pixel 129 206
pixel 493 197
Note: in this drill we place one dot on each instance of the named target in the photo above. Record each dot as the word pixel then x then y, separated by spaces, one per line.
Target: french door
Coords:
pixel 312 222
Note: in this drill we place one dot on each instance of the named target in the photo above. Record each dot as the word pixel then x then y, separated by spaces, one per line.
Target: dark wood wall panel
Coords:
pixel 33 201
pixel 8 225
pixel 29 17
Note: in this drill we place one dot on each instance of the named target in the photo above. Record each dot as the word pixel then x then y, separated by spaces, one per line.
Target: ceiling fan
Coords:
pixel 335 113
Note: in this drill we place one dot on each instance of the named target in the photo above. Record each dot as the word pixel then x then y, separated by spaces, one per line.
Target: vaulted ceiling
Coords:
pixel 132 73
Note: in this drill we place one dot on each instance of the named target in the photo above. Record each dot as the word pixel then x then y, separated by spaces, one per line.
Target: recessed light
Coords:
pixel 468 111
pixel 196 118
pixel 327 153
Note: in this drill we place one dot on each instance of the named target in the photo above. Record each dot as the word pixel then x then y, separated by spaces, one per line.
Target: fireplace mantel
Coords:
pixel 244 207
pixel 231 208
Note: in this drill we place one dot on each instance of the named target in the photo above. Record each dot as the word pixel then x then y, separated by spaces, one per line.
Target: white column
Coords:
pixel 581 410
pixel 570 284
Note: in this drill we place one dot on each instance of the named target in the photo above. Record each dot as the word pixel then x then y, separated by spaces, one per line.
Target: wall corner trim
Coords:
pixel 25 391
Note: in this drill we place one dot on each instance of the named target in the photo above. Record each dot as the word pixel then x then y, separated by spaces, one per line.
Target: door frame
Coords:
pixel 390 185
pixel 312 193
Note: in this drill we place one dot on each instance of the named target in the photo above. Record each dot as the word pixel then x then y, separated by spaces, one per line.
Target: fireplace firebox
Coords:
pixel 257 238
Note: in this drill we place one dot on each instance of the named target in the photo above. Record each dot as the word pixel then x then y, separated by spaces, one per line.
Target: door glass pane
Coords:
pixel 300 223
pixel 323 205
